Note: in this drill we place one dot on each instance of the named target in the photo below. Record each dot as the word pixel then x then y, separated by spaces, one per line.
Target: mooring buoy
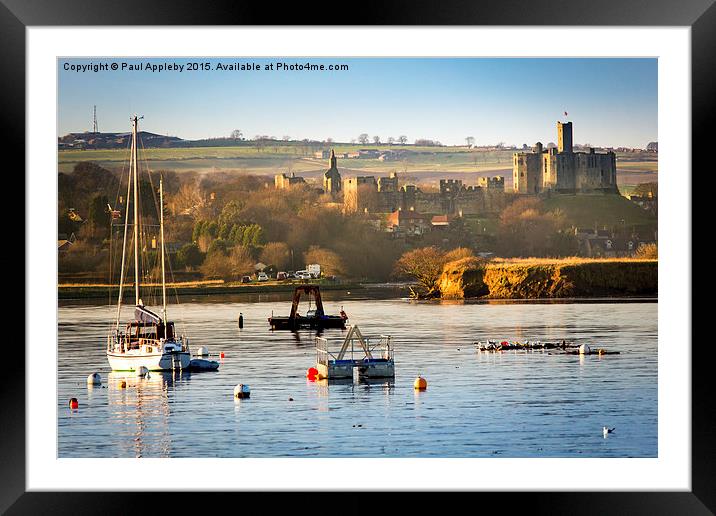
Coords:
pixel 74 404
pixel 241 320
pixel 242 391
pixel 420 383
pixel 202 352
pixel 122 384
pixel 94 379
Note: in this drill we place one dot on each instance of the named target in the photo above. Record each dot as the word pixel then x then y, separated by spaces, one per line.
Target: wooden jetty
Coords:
pixel 376 357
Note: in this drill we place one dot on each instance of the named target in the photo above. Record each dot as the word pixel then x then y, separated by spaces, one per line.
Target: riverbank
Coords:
pixel 532 278
pixel 98 291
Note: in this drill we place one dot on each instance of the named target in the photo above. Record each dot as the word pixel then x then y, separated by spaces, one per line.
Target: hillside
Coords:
pixel 89 140
pixel 600 210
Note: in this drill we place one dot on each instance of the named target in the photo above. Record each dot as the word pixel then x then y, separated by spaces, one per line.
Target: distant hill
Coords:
pixel 88 140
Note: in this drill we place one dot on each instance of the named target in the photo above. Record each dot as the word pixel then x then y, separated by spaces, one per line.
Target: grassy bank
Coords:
pixel 600 210
pixel 534 278
pixel 97 291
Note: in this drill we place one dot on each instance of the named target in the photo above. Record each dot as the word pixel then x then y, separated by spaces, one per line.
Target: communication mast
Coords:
pixel 94 118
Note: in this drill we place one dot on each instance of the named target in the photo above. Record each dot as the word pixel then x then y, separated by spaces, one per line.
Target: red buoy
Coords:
pixel 74 404
pixel 222 354
pixel 311 373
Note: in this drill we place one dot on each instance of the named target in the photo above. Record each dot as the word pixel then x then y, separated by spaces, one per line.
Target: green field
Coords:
pixel 274 159
pixel 419 164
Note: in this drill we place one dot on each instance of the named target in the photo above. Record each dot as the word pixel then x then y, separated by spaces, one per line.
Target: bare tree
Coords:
pixel 329 140
pixel 402 139
pixel 363 138
pixel 391 140
pixel 236 134
pixel 376 140
pixel 286 138
pixel 424 265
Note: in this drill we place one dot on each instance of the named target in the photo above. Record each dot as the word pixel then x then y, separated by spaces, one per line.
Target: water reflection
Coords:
pixel 140 409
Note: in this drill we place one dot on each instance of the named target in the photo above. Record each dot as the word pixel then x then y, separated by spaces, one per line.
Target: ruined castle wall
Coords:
pixel 527 172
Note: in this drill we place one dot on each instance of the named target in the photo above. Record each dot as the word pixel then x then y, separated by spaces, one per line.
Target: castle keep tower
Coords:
pixel 563 170
pixel 332 178
pixel 564 137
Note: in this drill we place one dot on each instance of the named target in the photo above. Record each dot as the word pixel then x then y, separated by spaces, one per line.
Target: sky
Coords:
pixel 611 102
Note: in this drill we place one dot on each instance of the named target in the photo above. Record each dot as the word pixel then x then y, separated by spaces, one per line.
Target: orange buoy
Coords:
pixel 122 384
pixel 74 404
pixel 420 383
pixel 311 373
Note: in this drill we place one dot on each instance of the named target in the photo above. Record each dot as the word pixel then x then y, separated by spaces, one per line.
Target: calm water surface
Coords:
pixel 511 404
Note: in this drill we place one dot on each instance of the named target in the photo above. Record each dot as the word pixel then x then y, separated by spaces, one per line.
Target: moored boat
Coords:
pixel 315 319
pixel 149 340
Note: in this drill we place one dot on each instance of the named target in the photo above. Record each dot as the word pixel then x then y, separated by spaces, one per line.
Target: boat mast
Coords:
pixel 161 226
pixel 124 241
pixel 136 211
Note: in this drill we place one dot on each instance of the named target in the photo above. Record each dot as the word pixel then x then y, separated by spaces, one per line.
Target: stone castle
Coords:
pixel 368 194
pixel 562 170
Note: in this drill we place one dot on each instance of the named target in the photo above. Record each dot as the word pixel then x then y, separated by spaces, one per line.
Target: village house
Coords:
pixel 407 222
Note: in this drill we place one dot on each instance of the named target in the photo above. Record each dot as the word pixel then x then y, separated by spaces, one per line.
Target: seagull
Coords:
pixel 606 431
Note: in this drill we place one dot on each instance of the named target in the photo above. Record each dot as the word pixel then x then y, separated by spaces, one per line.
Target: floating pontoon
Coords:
pixel 569 348
pixel 376 357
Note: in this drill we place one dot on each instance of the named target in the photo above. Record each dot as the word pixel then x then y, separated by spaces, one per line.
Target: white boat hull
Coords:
pixel 131 361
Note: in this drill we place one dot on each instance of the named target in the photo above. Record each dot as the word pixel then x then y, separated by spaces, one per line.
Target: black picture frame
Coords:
pixel 700 15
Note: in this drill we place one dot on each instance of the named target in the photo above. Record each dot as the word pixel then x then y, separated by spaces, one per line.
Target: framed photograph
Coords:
pixel 426 256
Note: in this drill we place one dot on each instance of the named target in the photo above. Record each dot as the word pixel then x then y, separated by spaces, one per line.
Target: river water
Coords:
pixel 477 404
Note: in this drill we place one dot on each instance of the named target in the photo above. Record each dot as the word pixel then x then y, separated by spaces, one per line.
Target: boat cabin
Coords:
pixel 150 331
pixel 147 329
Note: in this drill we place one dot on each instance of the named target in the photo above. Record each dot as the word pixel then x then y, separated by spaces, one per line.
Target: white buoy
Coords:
pixel 584 349
pixel 141 371
pixel 94 379
pixel 242 391
pixel 202 352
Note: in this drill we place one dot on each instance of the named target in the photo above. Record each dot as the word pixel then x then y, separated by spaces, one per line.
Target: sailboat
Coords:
pixel 149 340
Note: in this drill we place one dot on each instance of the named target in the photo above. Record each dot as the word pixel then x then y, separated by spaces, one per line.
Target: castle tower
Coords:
pixel 332 160
pixel 332 178
pixel 564 137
